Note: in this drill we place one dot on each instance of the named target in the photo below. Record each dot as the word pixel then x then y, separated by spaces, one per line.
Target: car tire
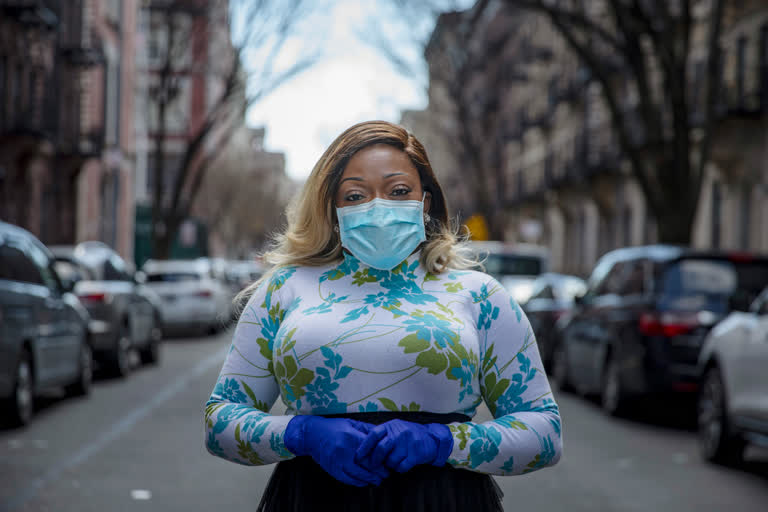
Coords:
pixel 82 386
pixel 151 353
pixel 560 367
pixel 20 406
pixel 612 397
pixel 717 441
pixel 119 359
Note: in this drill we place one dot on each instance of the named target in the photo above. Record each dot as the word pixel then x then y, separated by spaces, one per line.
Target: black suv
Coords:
pixel 43 329
pixel 640 327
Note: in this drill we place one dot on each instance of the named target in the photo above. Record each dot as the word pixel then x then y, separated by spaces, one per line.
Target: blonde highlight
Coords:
pixel 309 238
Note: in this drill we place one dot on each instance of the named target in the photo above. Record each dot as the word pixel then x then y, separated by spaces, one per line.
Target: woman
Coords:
pixel 382 346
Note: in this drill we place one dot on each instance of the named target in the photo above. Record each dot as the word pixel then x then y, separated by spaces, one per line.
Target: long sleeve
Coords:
pixel 525 434
pixel 238 426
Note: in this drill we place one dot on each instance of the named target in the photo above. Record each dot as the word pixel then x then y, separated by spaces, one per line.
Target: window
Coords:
pixel 115 269
pixel 15 264
pixel 741 58
pixel 634 279
pixel 764 65
pixel 113 11
pixel 543 291
pixel 626 225
pixel 614 280
pixel 716 206
pixel 72 272
pixel 44 267
pixel 112 102
pixel 3 99
pixel 746 216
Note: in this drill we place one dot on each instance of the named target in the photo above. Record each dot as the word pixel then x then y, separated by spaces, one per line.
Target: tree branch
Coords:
pixel 712 88
pixel 646 181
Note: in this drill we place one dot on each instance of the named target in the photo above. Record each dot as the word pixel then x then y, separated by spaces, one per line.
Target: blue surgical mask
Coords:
pixel 382 233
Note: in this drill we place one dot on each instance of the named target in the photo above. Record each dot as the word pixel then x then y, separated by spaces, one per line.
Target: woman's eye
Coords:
pixel 401 192
pixel 353 197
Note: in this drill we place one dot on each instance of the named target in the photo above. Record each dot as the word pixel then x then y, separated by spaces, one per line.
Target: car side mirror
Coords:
pixel 139 277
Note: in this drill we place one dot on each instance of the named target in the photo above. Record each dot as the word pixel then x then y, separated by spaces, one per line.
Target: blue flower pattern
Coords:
pixel 444 331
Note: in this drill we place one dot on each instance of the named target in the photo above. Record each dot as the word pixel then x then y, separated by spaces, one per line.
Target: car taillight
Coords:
pixel 741 257
pixel 94 297
pixel 204 294
pixel 667 324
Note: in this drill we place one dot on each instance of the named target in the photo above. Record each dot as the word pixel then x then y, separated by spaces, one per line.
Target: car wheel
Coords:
pixel 717 442
pixel 612 397
pixel 21 404
pixel 151 353
pixel 560 367
pixel 84 381
pixel 120 358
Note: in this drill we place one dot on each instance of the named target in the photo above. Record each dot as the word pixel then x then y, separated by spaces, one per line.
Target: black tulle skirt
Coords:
pixel 302 485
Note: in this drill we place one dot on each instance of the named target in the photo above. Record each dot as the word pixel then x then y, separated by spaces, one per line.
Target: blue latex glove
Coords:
pixel 401 445
pixel 332 443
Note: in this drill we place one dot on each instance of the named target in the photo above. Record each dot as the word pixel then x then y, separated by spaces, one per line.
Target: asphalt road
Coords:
pixel 136 444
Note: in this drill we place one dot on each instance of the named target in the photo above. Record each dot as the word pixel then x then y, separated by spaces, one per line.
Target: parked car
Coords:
pixel 125 314
pixel 192 296
pixel 733 401
pixel 515 266
pixel 43 329
pixel 242 273
pixel 641 325
pixel 552 296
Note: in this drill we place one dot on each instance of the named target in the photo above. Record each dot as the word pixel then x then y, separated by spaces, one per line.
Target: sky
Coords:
pixel 352 81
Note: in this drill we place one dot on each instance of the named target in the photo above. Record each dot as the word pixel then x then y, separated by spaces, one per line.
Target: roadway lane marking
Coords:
pixel 141 494
pixel 117 429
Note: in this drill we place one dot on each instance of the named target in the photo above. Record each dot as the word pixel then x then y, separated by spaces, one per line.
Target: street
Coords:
pixel 137 444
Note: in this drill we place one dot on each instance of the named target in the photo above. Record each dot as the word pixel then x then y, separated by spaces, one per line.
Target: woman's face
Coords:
pixel 379 171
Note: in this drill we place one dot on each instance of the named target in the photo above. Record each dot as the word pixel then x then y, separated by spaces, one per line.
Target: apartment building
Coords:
pixel 560 170
pixel 66 123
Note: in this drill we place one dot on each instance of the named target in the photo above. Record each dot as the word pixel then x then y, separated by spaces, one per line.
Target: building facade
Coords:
pixel 187 43
pixel 564 180
pixel 66 125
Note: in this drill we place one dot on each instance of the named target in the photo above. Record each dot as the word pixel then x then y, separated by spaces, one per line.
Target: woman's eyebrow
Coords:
pixel 351 178
pixel 394 174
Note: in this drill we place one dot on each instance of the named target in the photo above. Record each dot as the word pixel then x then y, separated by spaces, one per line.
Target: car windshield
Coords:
pixel 713 284
pixel 71 272
pixel 172 277
pixel 498 264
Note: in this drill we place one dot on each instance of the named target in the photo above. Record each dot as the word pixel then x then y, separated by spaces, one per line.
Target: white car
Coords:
pixel 515 266
pixel 733 401
pixel 192 295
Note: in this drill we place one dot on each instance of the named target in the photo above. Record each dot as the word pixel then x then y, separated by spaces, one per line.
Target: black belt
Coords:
pixel 422 417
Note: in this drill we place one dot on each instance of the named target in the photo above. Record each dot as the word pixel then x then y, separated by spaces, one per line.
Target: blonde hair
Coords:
pixel 309 238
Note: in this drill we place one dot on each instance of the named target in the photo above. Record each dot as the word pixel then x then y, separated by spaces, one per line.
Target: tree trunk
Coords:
pixel 674 220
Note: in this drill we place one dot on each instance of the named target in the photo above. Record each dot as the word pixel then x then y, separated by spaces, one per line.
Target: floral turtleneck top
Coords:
pixel 350 338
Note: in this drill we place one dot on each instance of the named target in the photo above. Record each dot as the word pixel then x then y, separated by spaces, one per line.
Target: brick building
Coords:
pixel 66 124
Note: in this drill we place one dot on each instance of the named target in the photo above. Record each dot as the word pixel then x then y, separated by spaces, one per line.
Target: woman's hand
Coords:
pixel 332 443
pixel 401 445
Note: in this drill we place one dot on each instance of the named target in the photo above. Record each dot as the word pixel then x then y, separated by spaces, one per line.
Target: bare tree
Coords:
pixel 259 30
pixel 246 196
pixel 667 138
pixel 478 129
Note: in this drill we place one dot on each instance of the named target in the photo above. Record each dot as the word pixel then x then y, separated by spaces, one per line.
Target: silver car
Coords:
pixel 192 294
pixel 733 402
pixel 44 338
pixel 125 313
